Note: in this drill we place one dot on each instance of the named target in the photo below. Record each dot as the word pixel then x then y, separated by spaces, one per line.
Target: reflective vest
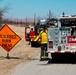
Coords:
pixel 43 36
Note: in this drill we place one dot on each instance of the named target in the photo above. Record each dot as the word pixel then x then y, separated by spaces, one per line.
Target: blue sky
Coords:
pixel 27 8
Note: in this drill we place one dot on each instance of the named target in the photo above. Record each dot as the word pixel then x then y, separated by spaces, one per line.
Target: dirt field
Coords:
pixel 22 52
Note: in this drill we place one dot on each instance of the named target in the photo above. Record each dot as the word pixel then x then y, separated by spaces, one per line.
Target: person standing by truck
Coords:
pixel 43 37
pixel 32 34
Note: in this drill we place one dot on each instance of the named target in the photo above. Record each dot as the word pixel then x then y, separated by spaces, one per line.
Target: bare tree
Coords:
pixel 2 12
pixel 0 16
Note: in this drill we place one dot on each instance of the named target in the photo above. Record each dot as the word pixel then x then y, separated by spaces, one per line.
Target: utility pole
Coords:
pixel 26 20
pixel 17 21
pixel 34 19
pixel 50 14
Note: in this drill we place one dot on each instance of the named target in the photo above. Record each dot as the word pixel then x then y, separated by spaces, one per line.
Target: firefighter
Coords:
pixel 43 37
pixel 32 34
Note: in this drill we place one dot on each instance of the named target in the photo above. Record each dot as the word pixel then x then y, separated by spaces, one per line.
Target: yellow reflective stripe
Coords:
pixel 36 38
pixel 44 56
pixel 43 42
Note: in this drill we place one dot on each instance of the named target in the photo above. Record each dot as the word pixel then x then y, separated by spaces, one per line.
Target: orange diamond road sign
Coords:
pixel 8 38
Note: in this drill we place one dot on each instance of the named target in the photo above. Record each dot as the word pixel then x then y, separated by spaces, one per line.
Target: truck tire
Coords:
pixel 32 44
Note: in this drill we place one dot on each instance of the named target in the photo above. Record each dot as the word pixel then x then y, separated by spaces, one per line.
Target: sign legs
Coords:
pixel 7 55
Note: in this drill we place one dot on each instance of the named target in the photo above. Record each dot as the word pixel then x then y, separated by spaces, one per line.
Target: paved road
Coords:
pixel 36 67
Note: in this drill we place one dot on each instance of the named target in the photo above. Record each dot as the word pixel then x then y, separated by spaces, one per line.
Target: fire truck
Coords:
pixel 62 38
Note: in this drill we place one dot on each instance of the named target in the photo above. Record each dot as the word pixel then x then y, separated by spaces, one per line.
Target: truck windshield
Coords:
pixel 68 22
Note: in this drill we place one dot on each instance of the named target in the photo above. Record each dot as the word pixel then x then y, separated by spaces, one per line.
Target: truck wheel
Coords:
pixel 32 44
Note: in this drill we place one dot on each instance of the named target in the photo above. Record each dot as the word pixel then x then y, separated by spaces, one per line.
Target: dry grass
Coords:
pixel 19 54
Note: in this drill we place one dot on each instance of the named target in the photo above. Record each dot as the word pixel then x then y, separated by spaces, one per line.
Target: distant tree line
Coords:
pixel 18 23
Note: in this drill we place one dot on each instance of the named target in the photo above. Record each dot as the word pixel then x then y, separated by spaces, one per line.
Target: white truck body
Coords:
pixel 57 38
pixel 62 37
